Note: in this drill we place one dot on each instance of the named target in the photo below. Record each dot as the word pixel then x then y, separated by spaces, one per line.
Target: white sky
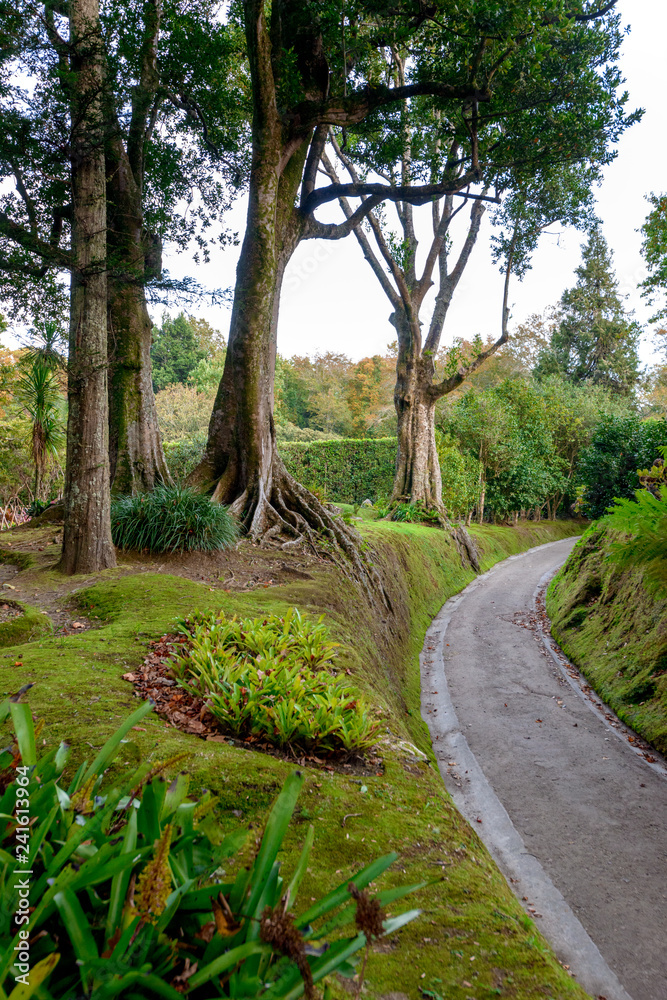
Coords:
pixel 332 301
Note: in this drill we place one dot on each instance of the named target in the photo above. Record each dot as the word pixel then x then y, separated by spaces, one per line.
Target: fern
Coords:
pixel 643 522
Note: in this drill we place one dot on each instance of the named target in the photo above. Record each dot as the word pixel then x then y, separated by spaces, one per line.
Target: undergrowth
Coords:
pixel 274 679
pixel 474 936
pixel 171 519
pixel 126 891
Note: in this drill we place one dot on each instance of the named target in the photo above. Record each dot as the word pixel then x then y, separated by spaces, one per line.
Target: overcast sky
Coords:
pixel 332 301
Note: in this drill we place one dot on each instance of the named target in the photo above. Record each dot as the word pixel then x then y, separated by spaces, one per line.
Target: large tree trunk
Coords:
pixel 417 476
pixel 136 456
pixel 87 545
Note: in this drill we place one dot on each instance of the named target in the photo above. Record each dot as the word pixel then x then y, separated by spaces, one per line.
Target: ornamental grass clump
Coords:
pixel 171 519
pixel 272 679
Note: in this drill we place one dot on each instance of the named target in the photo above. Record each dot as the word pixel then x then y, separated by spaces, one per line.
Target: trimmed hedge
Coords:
pixel 348 471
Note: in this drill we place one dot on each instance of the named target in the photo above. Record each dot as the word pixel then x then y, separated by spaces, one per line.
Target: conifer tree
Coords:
pixel 595 340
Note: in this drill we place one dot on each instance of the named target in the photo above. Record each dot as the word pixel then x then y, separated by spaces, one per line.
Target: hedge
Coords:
pixel 347 471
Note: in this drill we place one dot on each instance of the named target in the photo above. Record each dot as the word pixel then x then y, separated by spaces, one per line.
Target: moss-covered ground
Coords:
pixel 473 939
pixel 615 631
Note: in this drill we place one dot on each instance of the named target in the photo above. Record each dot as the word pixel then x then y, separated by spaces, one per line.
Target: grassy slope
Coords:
pixel 473 939
pixel 616 633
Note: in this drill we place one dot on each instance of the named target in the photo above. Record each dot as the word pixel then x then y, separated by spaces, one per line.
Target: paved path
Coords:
pixel 575 818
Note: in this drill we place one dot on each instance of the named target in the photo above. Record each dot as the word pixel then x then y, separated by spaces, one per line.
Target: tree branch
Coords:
pixel 33 244
pixel 448 385
pixel 419 194
pixel 362 239
pixel 345 111
pixel 143 94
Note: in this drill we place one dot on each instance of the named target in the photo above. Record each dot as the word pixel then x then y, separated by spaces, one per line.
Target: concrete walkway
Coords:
pixel 574 817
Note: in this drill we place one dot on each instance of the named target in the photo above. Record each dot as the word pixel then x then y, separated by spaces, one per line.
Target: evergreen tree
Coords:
pixel 595 340
pixel 176 351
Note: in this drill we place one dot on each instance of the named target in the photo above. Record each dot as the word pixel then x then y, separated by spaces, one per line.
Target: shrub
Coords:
pixel 348 470
pixel 184 455
pixel 272 679
pixel 461 478
pixel 608 467
pixel 415 513
pixel 171 519
pixel 125 897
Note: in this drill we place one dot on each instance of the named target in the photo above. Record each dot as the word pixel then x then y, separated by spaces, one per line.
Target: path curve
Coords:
pixel 575 819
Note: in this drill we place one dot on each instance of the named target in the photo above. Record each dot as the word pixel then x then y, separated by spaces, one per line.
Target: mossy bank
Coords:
pixel 615 630
pixel 473 938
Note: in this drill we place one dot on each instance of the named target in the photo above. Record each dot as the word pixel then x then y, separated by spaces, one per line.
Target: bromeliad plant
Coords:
pixel 126 898
pixel 273 679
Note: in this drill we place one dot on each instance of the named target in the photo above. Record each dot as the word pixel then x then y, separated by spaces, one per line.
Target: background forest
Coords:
pixel 556 422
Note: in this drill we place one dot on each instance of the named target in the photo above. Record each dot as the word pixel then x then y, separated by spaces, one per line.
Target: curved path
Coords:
pixel 575 818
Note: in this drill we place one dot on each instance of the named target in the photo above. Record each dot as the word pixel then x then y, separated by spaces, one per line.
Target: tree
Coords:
pixel 176 351
pixel 595 340
pixel 162 121
pixel 39 392
pixel 310 70
pixel 87 545
pixel 654 250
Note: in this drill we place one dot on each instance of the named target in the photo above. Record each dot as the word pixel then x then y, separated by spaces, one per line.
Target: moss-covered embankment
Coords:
pixel 615 630
pixel 473 939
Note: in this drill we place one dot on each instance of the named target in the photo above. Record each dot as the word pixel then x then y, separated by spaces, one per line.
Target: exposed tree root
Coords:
pixel 288 516
pixel 466 546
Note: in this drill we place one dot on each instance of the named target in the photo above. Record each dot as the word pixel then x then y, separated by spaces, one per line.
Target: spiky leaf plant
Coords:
pixel 171 519
pixel 125 898
pixel 272 679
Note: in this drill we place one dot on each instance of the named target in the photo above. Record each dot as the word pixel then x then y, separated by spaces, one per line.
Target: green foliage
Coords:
pixel 595 340
pixel 347 470
pixel 184 455
pixel 608 467
pixel 273 680
pixel 414 513
pixel 643 522
pixel 176 351
pixel 654 249
pixel 126 893
pixel 171 519
pixel 461 477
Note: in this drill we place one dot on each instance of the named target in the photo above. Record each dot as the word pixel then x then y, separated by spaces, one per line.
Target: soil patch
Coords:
pixel 9 610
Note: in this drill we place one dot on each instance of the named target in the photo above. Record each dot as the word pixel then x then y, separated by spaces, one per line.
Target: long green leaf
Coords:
pixel 111 746
pixel 121 880
pixel 330 961
pixel 225 962
pixel 274 832
pixel 25 731
pixel 77 926
pixel 300 871
pixel 120 987
pixel 341 894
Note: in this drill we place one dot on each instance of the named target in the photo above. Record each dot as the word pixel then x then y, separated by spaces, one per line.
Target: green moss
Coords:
pixel 25 627
pixel 23 560
pixel 616 632
pixel 468 910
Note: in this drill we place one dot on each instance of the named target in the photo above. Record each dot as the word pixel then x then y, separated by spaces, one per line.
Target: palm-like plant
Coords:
pixel 39 391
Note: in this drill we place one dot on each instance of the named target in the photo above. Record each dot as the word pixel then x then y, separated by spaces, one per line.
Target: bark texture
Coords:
pixel 241 465
pixel 136 455
pixel 87 545
pixel 137 461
